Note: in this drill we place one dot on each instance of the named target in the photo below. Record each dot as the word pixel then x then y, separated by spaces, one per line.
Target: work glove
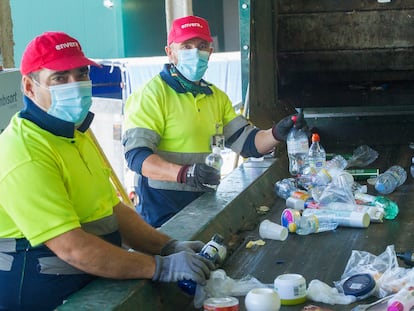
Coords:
pixel 199 175
pixel 174 246
pixel 281 130
pixel 182 266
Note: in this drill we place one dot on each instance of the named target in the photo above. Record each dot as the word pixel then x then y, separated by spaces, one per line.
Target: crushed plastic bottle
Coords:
pixel 298 149
pixel 284 187
pixel 317 154
pixel 392 178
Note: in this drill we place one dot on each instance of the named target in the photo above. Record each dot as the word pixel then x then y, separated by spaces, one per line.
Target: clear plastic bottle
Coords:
pixel 345 218
pixel 215 251
pixel 215 159
pixel 298 149
pixel 392 178
pixel 315 224
pixel 403 300
pixel 317 154
pixel 284 187
pixel 332 168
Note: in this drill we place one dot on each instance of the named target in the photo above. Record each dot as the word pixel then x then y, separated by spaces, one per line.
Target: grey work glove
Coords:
pixel 182 266
pixel 199 175
pixel 174 246
pixel 281 130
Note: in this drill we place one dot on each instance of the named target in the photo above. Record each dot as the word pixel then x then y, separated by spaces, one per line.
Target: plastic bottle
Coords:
pixel 314 224
pixel 332 169
pixel 345 218
pixel 403 300
pixel 317 154
pixel 390 207
pixel 392 178
pixel 215 159
pixel 407 257
pixel 298 149
pixel 284 187
pixel 214 251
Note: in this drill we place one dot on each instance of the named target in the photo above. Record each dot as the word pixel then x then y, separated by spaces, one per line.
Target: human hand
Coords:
pixel 182 266
pixel 281 130
pixel 199 175
pixel 174 246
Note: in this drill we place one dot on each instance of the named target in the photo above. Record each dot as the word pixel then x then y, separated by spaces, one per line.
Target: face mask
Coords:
pixel 71 101
pixel 192 63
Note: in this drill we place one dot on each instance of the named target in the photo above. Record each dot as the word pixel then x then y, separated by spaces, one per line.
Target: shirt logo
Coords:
pixel 66 45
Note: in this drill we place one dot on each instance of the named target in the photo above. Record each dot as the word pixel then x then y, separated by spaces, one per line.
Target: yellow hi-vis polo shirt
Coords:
pixel 183 123
pixel 50 184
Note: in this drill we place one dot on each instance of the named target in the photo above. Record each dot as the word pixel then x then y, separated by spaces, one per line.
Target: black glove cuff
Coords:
pixel 168 248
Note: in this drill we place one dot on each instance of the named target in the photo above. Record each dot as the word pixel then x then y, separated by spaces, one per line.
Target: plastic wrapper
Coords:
pixel 322 292
pixel 362 156
pixel 336 194
pixel 221 285
pixel 389 277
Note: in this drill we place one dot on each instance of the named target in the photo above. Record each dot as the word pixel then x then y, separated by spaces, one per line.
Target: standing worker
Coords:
pixel 172 122
pixel 61 223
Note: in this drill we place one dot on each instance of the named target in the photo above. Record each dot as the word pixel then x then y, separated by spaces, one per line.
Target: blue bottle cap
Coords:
pixel 359 285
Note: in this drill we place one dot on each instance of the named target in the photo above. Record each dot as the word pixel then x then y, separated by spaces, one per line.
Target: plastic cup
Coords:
pixel 273 231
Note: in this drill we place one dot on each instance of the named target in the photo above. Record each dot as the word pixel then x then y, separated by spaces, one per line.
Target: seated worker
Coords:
pixel 61 222
pixel 172 122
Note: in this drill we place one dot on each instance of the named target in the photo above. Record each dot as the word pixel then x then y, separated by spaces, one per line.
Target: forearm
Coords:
pixel 265 141
pixel 136 233
pixel 98 257
pixel 157 168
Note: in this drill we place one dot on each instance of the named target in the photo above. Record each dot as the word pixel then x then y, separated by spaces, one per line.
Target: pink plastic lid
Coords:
pixel 395 306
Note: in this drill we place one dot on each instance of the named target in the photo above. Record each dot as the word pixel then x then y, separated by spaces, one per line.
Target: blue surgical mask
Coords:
pixel 71 101
pixel 192 63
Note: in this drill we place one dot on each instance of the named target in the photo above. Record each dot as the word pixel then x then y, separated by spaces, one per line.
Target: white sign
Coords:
pixel 11 99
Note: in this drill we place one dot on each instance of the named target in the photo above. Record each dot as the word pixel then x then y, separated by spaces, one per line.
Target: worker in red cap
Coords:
pixel 173 122
pixel 61 222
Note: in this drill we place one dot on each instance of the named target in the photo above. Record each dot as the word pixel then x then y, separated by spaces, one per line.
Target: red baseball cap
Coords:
pixel 189 27
pixel 54 51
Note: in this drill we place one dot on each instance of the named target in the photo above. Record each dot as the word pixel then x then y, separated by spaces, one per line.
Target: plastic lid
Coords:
pixel 292 227
pixel 396 306
pixel 217 238
pixel 359 285
pixel 315 137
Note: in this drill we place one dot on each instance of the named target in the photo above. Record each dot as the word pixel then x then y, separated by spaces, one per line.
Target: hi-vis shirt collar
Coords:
pixel 49 123
pixel 174 83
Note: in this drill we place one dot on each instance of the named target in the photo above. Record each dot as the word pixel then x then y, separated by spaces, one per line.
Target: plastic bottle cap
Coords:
pixel 396 306
pixel 315 137
pixel 292 227
pixel 359 285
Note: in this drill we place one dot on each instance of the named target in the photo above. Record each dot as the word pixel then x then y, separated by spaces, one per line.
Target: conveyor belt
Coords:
pixel 323 256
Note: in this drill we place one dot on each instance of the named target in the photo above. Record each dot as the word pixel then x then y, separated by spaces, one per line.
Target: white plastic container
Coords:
pixel 291 288
pixel 262 299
